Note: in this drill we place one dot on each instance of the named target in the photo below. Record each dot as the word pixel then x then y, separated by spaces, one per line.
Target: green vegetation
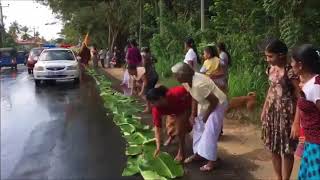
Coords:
pixel 244 25
pixel 140 138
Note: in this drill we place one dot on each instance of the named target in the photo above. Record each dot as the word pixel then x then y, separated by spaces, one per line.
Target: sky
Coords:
pixel 33 15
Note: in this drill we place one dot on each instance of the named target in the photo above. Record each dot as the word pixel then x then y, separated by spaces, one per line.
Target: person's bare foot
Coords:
pixel 168 141
pixel 179 157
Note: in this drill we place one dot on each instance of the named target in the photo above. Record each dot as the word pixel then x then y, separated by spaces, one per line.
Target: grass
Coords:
pixel 169 82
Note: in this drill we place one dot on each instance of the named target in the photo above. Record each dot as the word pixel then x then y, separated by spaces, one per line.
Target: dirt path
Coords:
pixel 240 148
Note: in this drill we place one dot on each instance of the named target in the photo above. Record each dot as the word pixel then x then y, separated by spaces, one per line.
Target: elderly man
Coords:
pixel 208 106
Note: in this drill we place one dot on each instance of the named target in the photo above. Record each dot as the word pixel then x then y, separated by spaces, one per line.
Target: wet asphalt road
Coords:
pixel 56 131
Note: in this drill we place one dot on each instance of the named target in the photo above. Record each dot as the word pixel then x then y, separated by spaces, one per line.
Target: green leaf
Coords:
pixel 151 175
pixel 136 139
pixel 132 167
pixel 126 127
pixel 165 166
pixel 133 150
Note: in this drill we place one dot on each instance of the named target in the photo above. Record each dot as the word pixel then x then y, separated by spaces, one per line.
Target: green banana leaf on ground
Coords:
pixel 134 150
pixel 132 167
pixel 126 127
pixel 140 138
pixel 151 175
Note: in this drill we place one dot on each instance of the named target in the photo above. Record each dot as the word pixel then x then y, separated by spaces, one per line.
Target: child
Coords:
pixel 279 110
pixel 306 63
pixel 211 66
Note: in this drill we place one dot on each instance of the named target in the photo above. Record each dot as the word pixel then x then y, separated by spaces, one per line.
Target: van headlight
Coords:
pixel 72 67
pixel 39 68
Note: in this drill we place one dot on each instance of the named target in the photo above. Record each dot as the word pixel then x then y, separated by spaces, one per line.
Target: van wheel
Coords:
pixel 37 82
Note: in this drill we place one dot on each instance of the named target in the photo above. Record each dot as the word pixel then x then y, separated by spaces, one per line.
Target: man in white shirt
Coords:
pixel 207 114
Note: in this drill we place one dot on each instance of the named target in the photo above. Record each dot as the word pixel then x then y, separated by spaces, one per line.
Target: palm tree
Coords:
pixel 14 29
pixel 25 34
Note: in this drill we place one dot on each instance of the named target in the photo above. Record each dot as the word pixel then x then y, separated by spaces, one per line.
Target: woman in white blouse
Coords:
pixel 191 57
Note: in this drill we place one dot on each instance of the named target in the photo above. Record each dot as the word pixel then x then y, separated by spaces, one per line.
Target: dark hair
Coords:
pixel 308 55
pixel 276 46
pixel 190 42
pixel 212 50
pixel 132 67
pixel 133 42
pixel 156 93
pixel 222 47
pixel 145 49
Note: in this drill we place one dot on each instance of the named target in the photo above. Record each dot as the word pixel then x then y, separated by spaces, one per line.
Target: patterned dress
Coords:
pixel 280 110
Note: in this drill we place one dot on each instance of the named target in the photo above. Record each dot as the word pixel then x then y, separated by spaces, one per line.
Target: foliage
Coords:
pixel 244 25
pixel 140 138
pixel 9 41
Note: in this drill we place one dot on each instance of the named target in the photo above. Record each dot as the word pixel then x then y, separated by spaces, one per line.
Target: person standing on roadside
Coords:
pixel 212 66
pixel 94 56
pixel 84 54
pixel 108 58
pixel 225 62
pixel 133 58
pixel 102 56
pixel 278 113
pixel 305 62
pixel 191 57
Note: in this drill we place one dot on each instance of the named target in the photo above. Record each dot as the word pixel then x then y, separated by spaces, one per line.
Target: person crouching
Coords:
pixel 208 107
pixel 176 103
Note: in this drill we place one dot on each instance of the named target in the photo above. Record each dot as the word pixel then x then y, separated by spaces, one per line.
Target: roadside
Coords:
pixel 240 148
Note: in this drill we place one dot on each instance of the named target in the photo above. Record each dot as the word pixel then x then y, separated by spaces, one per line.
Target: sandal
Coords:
pixel 192 158
pixel 207 168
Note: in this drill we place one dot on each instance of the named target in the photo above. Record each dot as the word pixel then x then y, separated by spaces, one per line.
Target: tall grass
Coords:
pixel 245 81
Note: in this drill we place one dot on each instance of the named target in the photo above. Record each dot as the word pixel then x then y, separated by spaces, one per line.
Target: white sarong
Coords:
pixel 206 135
pixel 126 79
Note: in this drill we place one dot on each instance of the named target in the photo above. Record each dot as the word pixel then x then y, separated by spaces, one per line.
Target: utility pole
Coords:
pixel 2 30
pixel 140 28
pixel 161 9
pixel 202 15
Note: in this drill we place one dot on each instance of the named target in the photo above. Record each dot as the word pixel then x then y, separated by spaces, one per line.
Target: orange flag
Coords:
pixel 86 39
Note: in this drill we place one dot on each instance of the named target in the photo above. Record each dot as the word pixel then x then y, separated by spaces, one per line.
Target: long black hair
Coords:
pixel 309 56
pixel 212 50
pixel 222 47
pixel 190 42
pixel 156 93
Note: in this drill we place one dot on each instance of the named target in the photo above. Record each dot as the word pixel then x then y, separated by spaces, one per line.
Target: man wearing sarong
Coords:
pixel 208 107
pixel 176 103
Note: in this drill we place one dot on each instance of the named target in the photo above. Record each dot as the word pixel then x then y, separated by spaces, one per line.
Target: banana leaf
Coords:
pixel 133 150
pixel 164 165
pixel 136 139
pixel 132 167
pixel 126 127
pixel 151 175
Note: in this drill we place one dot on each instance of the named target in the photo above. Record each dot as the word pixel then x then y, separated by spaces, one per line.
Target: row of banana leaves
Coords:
pixel 140 138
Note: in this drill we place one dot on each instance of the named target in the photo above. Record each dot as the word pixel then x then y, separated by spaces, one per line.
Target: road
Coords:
pixel 56 131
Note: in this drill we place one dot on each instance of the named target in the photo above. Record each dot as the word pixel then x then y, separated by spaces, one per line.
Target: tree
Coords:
pixel 14 29
pixel 25 30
